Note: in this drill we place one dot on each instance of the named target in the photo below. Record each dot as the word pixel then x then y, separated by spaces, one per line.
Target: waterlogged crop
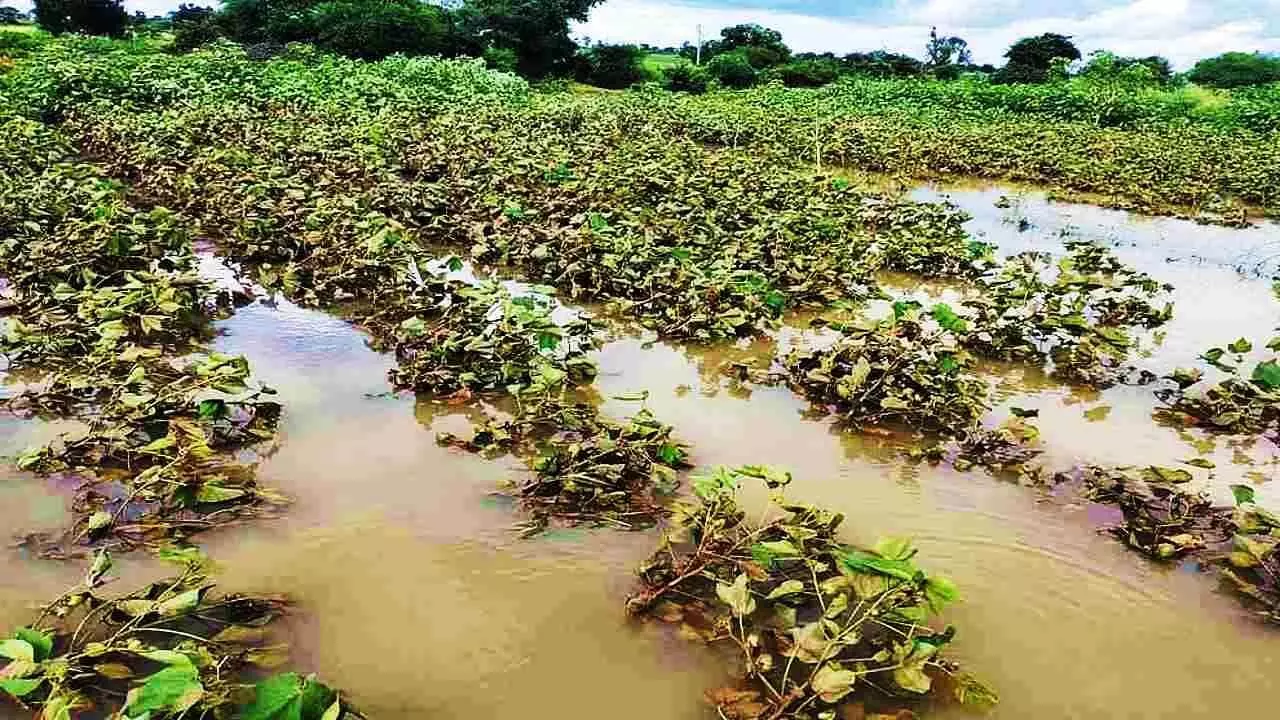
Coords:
pixel 106 317
pixel 172 648
pixel 817 627
pixel 1165 519
pixel 908 370
pixel 584 467
pixel 1236 403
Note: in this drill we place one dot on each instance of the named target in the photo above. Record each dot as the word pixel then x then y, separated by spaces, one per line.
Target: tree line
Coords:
pixel 532 38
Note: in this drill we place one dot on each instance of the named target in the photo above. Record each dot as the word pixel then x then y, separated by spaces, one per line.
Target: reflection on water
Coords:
pixel 416 598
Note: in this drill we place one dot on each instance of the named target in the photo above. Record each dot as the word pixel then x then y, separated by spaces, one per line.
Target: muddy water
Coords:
pixel 417 599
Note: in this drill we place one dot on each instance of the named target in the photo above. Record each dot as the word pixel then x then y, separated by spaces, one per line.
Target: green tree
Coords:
pixel 610 66
pixel 91 17
pixel 1236 69
pixel 10 16
pixel 1032 58
pixel 536 30
pixel 374 29
pixel 256 21
pixel 685 77
pixel 193 26
pixel 944 51
pixel 762 47
pixel 732 70
pixel 883 64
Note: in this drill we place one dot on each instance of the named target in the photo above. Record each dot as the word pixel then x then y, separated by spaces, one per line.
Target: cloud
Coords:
pixel 1182 30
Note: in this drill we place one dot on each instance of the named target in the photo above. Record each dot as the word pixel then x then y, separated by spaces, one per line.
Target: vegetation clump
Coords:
pixel 585 467
pixel 1166 520
pixel 1234 404
pixel 818 627
pixel 1079 312
pixel 909 370
pixel 106 317
pixel 172 648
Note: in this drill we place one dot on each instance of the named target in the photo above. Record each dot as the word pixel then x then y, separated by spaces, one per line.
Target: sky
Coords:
pixel 1181 30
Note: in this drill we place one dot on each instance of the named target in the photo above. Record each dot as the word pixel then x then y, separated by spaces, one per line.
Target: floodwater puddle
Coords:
pixel 417 598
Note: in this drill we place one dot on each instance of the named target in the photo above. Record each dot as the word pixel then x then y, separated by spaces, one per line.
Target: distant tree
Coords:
pixel 1236 69
pixel 732 70
pixel 536 30
pixel 1031 59
pixel 685 77
pixel 260 21
pixel 91 17
pixel 945 51
pixel 883 64
pixel 1108 67
pixel 11 16
pixel 193 26
pixel 373 30
pixel 808 72
pixel 762 47
pixel 610 66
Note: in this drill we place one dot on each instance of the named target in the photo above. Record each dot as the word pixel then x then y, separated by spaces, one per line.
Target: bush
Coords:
pixel 501 59
pixel 90 17
pixel 881 64
pixel 610 66
pixel 685 77
pixel 1236 69
pixel 732 70
pixel 808 73
pixel 194 26
pixel 21 44
pixel 374 29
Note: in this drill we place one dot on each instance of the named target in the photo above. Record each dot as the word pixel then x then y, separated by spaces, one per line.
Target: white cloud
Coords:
pixel 1182 30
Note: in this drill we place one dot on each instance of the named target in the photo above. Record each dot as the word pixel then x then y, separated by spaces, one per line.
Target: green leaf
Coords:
pixel 832 682
pixel 40 641
pixel 948 319
pixel 939 591
pixel 790 587
pixel 737 596
pixel 671 454
pixel 1240 346
pixel 1242 493
pixel 20 688
pixel 864 562
pixel 100 520
pixel 1267 374
pixel 210 493
pixel 766 553
pixel 173 689
pixel 894 548
pixel 290 697
pixel 179 604
pixel 212 409
pixel 15 649
pixel 334 712
pixel 773 477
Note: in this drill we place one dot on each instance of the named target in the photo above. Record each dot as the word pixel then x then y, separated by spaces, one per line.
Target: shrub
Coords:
pixel 685 77
pixel 91 17
pixel 1236 69
pixel 610 66
pixel 194 26
pixel 732 70
pixel 372 30
pixel 808 73
pixel 501 59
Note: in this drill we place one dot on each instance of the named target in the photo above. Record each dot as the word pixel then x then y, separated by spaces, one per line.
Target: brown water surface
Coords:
pixel 417 599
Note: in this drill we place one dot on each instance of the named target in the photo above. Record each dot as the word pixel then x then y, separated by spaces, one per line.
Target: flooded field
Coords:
pixel 416 597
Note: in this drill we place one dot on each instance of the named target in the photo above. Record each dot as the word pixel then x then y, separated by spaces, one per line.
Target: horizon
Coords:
pixel 1183 31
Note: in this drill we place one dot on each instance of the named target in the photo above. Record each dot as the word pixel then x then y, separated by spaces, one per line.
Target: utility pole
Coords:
pixel 698 52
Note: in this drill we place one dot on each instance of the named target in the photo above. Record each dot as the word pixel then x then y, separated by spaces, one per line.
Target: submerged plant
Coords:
pixel 585 467
pixel 170 649
pixel 1235 403
pixel 1166 520
pixel 818 626
pixel 909 370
